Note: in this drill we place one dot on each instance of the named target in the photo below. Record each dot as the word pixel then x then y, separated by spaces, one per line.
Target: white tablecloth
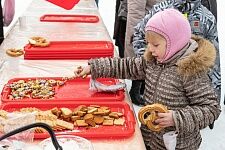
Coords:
pixel 18 67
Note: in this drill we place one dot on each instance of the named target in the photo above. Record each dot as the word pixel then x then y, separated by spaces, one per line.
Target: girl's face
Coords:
pixel 156 44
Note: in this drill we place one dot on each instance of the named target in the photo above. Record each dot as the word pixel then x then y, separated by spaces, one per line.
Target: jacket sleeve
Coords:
pixel 8 11
pixel 126 68
pixel 203 107
pixel 212 35
pixel 122 12
pixel 211 31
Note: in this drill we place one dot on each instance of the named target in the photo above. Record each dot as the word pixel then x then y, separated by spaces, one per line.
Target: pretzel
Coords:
pixel 3 114
pixel 148 114
pixel 13 52
pixel 38 41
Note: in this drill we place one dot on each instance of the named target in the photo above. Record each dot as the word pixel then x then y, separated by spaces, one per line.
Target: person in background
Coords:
pixel 203 23
pixel 120 25
pixel 1 25
pixel 175 69
pixel 137 9
pixel 96 1
pixel 6 16
pixel 211 5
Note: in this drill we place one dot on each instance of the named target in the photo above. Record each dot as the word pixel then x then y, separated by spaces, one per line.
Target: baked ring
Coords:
pixel 150 122
pixel 13 52
pixel 38 41
pixel 148 114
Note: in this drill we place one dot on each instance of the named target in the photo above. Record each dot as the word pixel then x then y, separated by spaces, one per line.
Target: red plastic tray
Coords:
pixel 66 4
pixel 103 132
pixel 70 50
pixel 73 46
pixel 67 52
pixel 73 90
pixel 64 56
pixel 69 18
pixel 28 57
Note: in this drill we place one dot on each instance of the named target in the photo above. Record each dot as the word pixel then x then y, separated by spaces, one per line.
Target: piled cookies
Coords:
pixel 82 116
pixel 36 89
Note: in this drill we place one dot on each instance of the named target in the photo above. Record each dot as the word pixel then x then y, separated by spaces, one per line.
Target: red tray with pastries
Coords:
pixel 69 56
pixel 72 90
pixel 70 50
pixel 124 130
pixel 77 47
pixel 69 18
pixel 64 57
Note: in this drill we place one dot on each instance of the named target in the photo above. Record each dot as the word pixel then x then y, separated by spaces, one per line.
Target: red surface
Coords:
pixel 73 90
pixel 103 132
pixel 70 50
pixel 61 58
pixel 71 57
pixel 73 46
pixel 66 4
pixel 69 18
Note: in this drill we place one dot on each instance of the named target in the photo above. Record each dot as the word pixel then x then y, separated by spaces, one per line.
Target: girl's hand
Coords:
pixel 165 119
pixel 82 71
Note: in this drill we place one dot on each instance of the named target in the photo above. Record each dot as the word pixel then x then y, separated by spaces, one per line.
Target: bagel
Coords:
pixel 13 52
pixel 38 41
pixel 148 114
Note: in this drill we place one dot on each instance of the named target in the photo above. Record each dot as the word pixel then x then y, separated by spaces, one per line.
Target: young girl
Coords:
pixel 174 68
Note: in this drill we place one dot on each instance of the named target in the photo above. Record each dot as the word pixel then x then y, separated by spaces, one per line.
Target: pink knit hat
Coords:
pixel 174 27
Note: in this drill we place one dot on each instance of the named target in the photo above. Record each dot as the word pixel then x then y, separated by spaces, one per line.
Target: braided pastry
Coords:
pixel 38 41
pixel 148 114
pixel 13 52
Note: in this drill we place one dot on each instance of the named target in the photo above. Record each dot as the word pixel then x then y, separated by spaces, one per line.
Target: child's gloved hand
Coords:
pixel 82 71
pixel 165 119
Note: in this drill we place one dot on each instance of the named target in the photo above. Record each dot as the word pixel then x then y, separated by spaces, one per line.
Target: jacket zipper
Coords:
pixel 159 75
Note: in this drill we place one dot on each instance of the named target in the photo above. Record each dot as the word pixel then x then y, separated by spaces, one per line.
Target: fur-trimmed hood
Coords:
pixel 197 61
pixel 200 60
